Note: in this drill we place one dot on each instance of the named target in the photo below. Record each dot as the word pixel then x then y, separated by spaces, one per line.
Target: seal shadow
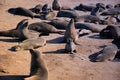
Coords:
pixel 13 77
pixel 60 51
pixel 92 57
pixel 56 40
pixel 10 40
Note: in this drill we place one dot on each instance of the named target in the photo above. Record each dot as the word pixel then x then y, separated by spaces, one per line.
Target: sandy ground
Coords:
pixel 61 66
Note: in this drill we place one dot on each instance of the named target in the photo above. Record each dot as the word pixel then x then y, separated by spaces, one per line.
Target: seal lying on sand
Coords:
pixel 108 53
pixel 109 20
pixel 59 24
pixel 44 27
pixel 111 31
pixel 68 13
pixel 38 67
pixel 31 43
pixel 83 7
pixel 87 18
pixel 89 26
pixel 113 11
pixel 23 12
pixel 14 32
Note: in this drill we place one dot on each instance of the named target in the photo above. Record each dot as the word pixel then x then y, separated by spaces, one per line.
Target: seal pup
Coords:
pixel 84 7
pixel 14 32
pixel 108 53
pixel 31 43
pixel 70 46
pixel 44 27
pixel 23 12
pixel 39 69
pixel 68 13
pixel 70 32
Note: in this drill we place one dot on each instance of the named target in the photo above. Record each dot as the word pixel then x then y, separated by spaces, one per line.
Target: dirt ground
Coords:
pixel 61 66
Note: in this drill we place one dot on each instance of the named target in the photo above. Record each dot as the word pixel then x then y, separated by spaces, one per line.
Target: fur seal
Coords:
pixel 112 12
pixel 23 12
pixel 37 9
pixel 68 13
pixel 87 18
pixel 99 8
pixel 70 32
pixel 44 27
pixel 111 31
pixel 108 53
pixel 70 46
pixel 117 6
pixel 109 6
pixel 14 32
pixel 59 23
pixel 51 15
pixel 27 34
pixel 46 9
pixel 38 67
pixel 109 20
pixel 95 28
pixel 83 7
pixel 31 43
pixel 56 5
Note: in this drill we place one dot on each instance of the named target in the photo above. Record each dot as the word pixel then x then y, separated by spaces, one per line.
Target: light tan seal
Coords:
pixel 70 32
pixel 31 43
pixel 108 53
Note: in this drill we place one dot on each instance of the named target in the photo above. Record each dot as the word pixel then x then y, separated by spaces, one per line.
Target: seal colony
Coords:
pixel 66 22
